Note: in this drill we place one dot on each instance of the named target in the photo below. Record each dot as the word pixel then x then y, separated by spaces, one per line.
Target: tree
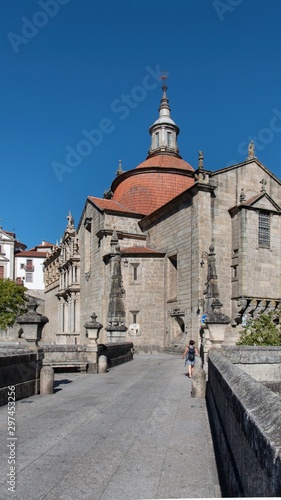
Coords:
pixel 265 330
pixel 12 302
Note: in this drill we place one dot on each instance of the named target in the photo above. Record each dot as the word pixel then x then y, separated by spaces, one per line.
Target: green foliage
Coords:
pixel 265 330
pixel 12 302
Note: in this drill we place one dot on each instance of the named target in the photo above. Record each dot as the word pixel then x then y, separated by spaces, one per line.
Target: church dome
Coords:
pixel 166 161
pixel 162 176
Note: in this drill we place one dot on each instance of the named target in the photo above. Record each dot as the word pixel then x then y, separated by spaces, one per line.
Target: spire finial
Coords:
pixel 70 219
pixel 164 87
pixel 164 131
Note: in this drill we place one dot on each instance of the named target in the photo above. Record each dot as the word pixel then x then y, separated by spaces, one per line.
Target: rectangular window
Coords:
pixel 29 264
pixel 264 230
pixel 28 278
pixel 22 266
pixel 135 273
pixel 157 140
pixel 169 139
pixel 134 316
pixel 1 272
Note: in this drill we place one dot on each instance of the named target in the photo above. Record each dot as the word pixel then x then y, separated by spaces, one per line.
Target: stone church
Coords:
pixel 168 251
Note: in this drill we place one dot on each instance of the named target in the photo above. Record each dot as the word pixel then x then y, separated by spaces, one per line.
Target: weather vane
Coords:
pixel 164 77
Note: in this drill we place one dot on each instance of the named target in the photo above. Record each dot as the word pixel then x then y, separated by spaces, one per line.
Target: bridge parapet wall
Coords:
pixel 245 418
pixel 19 369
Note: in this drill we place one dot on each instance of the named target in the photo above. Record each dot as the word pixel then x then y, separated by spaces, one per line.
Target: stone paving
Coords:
pixel 131 433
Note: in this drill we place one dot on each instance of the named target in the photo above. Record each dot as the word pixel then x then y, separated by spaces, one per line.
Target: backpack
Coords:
pixel 191 353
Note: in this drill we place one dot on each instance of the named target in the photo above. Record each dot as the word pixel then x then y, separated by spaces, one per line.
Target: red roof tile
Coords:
pixel 148 191
pixel 254 198
pixel 45 245
pixel 105 204
pixel 31 253
pixel 166 161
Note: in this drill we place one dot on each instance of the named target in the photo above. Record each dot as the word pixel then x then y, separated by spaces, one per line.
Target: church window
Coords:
pixel 135 273
pixel 234 272
pixel 134 316
pixel 157 140
pixel 264 230
pixel 169 139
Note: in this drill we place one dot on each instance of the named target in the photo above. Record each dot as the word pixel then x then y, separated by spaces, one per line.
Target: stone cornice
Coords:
pixel 237 208
pixel 242 164
pixel 121 234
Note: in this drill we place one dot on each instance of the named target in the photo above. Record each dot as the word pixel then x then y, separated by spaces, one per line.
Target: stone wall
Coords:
pixel 245 417
pixel 77 357
pixel 66 356
pixel 173 235
pixel 262 363
pixel 19 368
pixel 236 238
pixel 116 353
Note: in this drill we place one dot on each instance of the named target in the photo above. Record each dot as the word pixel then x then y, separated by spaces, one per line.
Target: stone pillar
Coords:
pixel 215 320
pixel 46 380
pixel 116 329
pixel 102 364
pixel 32 325
pixel 93 328
pixel 198 387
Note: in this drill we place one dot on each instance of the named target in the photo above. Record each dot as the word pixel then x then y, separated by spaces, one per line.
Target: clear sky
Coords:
pixel 71 68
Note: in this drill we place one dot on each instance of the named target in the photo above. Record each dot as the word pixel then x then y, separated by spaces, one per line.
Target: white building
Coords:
pixel 29 265
pixel 9 246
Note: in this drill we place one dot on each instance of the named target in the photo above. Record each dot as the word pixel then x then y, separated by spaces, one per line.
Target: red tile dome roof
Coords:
pixel 162 176
pixel 153 183
pixel 167 161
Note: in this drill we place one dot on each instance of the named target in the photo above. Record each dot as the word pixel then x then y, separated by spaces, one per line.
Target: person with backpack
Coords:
pixel 189 354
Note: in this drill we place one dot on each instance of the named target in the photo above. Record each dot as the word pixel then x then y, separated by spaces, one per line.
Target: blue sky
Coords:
pixel 74 66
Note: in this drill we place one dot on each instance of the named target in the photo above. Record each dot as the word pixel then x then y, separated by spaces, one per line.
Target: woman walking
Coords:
pixel 189 354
